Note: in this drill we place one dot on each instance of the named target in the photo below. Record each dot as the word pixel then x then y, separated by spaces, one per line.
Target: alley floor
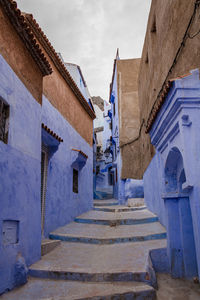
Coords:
pixel 103 254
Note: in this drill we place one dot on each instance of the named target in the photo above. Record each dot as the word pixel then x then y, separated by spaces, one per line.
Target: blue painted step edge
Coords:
pixel 117 222
pixel 65 238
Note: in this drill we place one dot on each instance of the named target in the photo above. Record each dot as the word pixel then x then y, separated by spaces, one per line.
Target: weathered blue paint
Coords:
pixel 62 205
pixel 93 277
pixel 171 182
pixel 19 179
pixel 123 189
pixel 160 260
pixel 134 188
pixel 153 188
pixel 65 238
pixel 117 221
pixel 119 209
pixel 107 204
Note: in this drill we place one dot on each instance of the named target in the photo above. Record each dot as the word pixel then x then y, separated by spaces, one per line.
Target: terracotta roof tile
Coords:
pixel 39 34
pixel 157 106
pixel 81 152
pixel 52 133
pixel 160 100
pixel 18 21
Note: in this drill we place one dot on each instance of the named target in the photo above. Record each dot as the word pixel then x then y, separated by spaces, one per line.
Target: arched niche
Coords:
pixel 180 236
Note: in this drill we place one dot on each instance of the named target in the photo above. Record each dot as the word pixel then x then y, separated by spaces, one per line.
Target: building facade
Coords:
pixel 125 120
pixel 169 105
pixel 103 164
pixel 46 138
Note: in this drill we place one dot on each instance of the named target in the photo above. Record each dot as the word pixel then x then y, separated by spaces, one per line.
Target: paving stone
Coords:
pixel 100 234
pixel 48 245
pixel 117 218
pixel 107 202
pixel 38 289
pixel 119 208
pixel 105 262
pixel 86 262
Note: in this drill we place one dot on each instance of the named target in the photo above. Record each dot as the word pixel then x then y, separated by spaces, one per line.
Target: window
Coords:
pixel 4 115
pixel 75 181
pixel 114 109
pixel 147 58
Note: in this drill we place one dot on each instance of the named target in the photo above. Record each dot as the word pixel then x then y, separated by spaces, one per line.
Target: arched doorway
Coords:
pixel 180 235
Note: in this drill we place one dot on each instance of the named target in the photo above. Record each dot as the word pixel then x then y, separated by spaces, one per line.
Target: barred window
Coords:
pixel 4 118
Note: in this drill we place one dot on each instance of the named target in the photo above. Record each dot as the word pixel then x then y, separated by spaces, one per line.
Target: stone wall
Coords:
pixel 167 25
pixel 128 109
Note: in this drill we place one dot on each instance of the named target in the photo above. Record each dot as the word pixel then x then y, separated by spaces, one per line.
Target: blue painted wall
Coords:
pixel 153 188
pixel 62 205
pixel 117 192
pixel 126 188
pixel 171 182
pixel 134 188
pixel 19 178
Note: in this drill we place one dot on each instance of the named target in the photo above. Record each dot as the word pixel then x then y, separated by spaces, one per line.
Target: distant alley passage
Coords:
pixel 103 254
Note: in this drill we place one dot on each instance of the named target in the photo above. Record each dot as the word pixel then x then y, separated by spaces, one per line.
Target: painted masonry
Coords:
pixel 169 97
pixel 46 137
pixel 102 131
pixel 124 116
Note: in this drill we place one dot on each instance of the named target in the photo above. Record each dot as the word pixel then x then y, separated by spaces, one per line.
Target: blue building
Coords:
pixel 46 138
pixel 174 170
pixel 103 162
pixel 169 94
pixel 124 116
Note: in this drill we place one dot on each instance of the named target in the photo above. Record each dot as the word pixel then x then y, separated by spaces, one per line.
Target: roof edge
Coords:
pixel 19 23
pixel 58 62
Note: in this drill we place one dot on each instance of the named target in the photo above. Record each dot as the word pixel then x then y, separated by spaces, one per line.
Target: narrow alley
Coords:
pixel 99 181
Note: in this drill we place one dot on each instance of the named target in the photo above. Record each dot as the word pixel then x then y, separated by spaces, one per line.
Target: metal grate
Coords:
pixel 4 116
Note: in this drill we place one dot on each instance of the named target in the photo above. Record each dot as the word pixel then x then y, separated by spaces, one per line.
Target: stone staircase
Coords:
pixel 104 254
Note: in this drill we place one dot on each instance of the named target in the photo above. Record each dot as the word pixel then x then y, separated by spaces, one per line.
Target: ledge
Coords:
pixel 79 159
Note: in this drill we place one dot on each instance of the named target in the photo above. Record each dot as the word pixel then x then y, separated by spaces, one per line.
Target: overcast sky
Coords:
pixel 88 33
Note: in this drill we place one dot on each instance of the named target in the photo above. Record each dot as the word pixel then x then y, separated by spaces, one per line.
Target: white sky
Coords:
pixel 88 33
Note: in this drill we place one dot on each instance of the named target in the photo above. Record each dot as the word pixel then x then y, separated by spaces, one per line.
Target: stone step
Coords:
pixel 100 234
pixel 117 218
pixel 136 202
pixel 70 290
pixel 48 245
pixel 99 263
pixel 119 208
pixel 108 202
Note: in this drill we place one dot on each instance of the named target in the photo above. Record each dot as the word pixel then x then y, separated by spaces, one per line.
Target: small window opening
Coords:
pixel 75 181
pixel 147 59
pixel 153 26
pixel 114 108
pixel 4 118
